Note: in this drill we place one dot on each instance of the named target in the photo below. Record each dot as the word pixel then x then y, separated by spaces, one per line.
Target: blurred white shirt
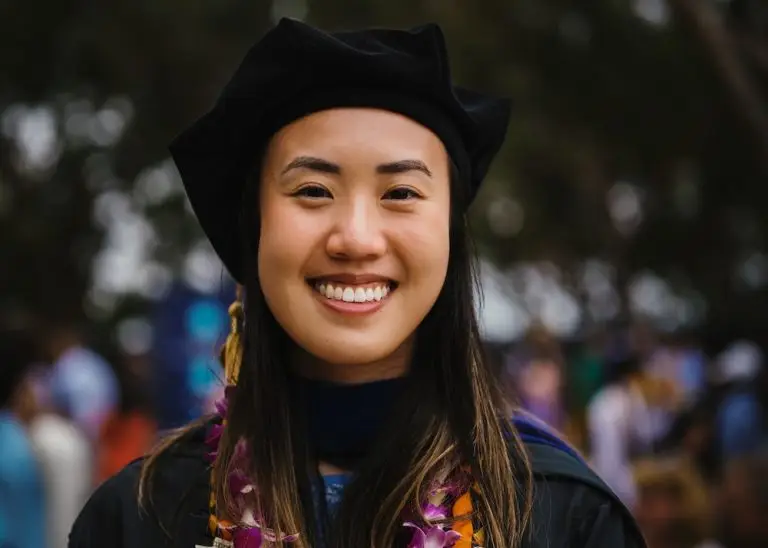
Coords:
pixel 66 459
pixel 620 425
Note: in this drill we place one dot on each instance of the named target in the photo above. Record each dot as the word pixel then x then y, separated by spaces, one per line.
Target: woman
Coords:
pixel 332 178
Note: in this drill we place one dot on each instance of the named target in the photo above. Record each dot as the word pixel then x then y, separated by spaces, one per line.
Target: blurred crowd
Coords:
pixel 68 421
pixel 678 432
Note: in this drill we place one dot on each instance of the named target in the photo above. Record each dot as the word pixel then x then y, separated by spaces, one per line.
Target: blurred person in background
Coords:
pixel 63 451
pixel 681 362
pixel 333 179
pixel 23 510
pixel 82 385
pixel 622 422
pixel 673 505
pixel 535 373
pixel 741 420
pixel 742 502
pixel 664 367
pixel 693 435
pixel 129 431
pixel 729 417
pixel 585 375
pixel 65 455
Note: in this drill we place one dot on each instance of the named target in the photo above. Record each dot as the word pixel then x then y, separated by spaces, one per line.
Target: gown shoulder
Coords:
pixel 175 512
pixel 573 507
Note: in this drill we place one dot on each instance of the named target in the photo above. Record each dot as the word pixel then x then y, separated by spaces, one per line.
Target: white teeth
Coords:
pixel 353 294
pixel 359 295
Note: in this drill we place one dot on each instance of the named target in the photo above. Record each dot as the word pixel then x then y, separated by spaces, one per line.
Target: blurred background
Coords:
pixel 622 236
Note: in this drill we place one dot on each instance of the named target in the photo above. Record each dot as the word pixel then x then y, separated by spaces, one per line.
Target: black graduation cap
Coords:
pixel 295 70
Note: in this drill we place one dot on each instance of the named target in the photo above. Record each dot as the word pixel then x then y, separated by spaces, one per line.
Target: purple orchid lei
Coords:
pixel 249 533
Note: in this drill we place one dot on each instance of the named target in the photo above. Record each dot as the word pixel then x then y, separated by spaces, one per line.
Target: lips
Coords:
pixel 346 279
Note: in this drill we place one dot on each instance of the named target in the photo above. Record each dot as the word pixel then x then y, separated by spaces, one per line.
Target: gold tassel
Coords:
pixel 232 351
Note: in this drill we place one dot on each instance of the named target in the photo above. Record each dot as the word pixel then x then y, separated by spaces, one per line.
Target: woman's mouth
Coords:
pixel 353 293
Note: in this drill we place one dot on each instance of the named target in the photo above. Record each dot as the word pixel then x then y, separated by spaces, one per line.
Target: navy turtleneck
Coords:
pixel 343 420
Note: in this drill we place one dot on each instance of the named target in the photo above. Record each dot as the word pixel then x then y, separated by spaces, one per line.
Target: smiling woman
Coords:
pixel 333 178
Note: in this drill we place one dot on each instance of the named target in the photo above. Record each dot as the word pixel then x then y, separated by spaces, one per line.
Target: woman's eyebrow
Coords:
pixel 313 164
pixel 403 166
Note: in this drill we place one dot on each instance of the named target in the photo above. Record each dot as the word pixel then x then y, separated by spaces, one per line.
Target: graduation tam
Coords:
pixel 295 70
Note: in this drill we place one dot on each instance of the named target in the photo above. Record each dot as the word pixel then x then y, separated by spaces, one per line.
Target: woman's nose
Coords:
pixel 357 232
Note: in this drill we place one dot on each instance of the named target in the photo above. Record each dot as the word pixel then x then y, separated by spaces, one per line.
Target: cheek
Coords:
pixel 424 249
pixel 284 243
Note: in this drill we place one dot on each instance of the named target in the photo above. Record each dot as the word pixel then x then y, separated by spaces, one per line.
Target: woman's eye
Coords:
pixel 313 191
pixel 401 193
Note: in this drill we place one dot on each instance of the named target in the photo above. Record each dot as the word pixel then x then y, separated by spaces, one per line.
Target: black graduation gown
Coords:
pixel 572 507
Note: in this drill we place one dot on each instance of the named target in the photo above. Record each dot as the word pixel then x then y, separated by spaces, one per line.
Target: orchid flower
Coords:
pixel 431 537
pixel 249 537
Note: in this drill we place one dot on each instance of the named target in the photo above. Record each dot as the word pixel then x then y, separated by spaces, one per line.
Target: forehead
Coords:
pixel 363 132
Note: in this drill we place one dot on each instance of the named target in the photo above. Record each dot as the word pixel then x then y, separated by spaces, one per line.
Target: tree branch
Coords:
pixel 711 31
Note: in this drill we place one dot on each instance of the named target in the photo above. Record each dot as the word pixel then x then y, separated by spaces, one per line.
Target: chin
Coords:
pixel 350 344
pixel 343 354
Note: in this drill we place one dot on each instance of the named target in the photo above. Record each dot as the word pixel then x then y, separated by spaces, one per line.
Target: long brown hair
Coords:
pixel 452 411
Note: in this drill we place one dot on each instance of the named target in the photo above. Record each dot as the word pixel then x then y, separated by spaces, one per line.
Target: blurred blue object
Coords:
pixel 740 424
pixel 22 495
pixel 189 327
pixel 83 386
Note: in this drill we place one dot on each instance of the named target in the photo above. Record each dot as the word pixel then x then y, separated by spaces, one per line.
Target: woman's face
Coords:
pixel 353 252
